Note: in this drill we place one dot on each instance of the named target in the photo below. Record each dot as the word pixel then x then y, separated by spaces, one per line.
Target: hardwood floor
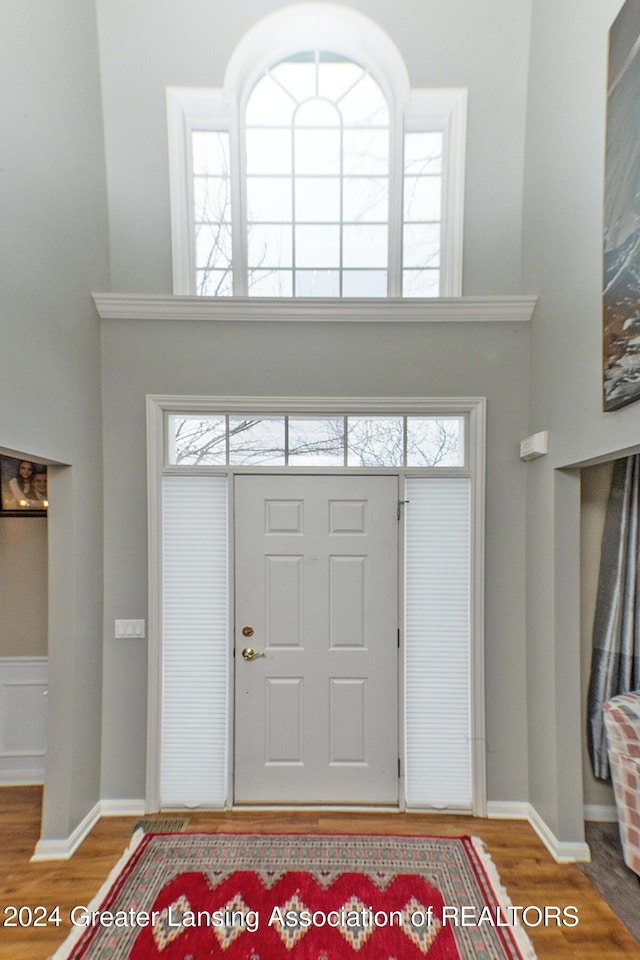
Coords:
pixel 529 873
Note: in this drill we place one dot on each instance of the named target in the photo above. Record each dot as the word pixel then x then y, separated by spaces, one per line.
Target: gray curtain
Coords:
pixel 615 663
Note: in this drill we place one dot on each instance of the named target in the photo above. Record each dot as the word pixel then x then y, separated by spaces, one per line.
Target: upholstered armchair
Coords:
pixel 622 723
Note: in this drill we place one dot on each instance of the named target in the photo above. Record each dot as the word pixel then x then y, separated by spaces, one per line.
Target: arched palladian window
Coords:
pixel 317 173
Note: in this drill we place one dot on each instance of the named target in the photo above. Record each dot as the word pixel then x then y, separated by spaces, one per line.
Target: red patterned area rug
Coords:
pixel 191 896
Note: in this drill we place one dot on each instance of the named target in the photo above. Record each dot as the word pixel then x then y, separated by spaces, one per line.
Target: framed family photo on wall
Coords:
pixel 621 288
pixel 23 486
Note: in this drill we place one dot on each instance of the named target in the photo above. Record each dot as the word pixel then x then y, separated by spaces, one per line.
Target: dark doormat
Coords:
pixel 612 878
pixel 161 824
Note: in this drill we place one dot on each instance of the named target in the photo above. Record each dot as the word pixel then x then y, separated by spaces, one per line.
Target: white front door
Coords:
pixel 316 578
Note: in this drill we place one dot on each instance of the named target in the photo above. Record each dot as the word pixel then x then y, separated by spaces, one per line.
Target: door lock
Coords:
pixel 247 631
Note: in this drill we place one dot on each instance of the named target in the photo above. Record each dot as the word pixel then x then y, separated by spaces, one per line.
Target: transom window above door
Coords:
pixel 301 441
pixel 318 173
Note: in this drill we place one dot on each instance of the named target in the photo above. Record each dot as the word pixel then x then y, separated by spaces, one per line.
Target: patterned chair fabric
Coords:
pixel 622 723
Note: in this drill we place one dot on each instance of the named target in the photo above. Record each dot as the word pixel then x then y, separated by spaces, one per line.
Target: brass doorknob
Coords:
pixel 250 654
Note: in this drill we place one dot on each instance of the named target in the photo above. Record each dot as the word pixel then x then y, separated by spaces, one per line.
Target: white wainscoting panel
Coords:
pixel 23 719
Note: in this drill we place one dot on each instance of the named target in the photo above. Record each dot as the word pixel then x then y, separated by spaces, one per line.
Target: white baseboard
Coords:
pixel 65 848
pixel 507 810
pixel 22 778
pixel 122 808
pixel 562 851
pixel 604 812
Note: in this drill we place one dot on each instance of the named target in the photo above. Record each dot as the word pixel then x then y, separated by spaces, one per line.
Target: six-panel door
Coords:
pixel 316 580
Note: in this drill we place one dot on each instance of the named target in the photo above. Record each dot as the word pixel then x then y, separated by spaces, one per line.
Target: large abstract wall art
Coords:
pixel 621 294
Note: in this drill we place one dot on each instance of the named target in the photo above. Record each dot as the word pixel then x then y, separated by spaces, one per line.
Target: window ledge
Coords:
pixel 123 306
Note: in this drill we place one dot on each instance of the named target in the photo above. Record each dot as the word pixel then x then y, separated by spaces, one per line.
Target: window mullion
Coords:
pixel 396 161
pixel 293 205
pixel 341 211
pixel 345 440
pixel 239 214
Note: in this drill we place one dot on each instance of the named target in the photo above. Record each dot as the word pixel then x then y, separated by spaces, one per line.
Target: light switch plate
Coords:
pixel 129 629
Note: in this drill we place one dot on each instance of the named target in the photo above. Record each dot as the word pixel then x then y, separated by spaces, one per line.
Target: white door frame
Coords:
pixel 474 409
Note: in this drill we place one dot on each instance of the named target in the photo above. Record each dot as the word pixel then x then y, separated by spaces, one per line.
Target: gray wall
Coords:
pixel 53 246
pixel 562 257
pixel 290 359
pixel 23 587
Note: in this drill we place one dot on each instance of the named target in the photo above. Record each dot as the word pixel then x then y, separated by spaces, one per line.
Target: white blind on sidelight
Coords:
pixel 438 641
pixel 195 642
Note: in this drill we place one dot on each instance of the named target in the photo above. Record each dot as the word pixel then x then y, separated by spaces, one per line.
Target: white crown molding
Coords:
pixel 124 306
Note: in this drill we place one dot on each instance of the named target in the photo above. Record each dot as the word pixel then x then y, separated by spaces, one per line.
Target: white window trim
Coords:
pixel 188 109
pixel 275 37
pixel 447 109
pixel 473 408
pixel 317 25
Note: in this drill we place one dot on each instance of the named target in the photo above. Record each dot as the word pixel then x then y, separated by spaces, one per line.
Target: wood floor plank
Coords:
pixel 530 874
